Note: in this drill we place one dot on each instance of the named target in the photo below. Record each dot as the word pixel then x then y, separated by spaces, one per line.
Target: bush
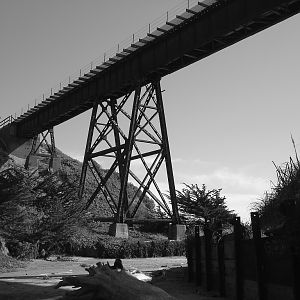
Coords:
pixel 3 248
pixel 112 248
pixel 9 264
pixel 23 250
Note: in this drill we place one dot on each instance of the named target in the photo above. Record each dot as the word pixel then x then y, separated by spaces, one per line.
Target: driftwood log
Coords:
pixel 104 283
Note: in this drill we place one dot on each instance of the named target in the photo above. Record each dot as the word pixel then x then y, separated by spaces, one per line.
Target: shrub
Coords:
pixel 23 250
pixel 112 248
pixel 3 248
pixel 9 264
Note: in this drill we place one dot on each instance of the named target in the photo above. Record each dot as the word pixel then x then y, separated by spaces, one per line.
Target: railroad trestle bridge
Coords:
pixel 128 121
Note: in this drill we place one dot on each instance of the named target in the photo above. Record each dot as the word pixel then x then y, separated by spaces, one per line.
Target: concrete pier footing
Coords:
pixel 177 232
pixel 55 163
pixel 119 230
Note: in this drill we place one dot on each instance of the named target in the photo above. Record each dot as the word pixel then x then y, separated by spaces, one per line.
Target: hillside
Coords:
pixel 41 210
pixel 100 208
pixel 72 169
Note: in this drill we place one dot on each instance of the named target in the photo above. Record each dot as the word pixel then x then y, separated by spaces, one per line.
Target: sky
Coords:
pixel 228 116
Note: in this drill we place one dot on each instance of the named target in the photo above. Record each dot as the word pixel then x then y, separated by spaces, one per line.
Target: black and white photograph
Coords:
pixel 149 149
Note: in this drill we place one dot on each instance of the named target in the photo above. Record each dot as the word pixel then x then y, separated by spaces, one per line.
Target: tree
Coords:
pixel 63 211
pixel 16 203
pixel 206 207
pixel 42 210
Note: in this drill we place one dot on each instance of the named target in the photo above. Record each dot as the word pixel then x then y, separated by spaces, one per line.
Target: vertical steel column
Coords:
pixel 119 155
pixel 33 145
pixel 87 150
pixel 128 151
pixel 55 162
pixel 32 151
pixel 166 148
pixel 53 149
pixel 120 158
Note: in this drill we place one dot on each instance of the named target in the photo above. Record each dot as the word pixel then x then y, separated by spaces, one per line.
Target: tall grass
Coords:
pixel 278 204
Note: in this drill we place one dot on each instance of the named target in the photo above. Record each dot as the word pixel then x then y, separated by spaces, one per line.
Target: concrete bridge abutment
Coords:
pixel 177 232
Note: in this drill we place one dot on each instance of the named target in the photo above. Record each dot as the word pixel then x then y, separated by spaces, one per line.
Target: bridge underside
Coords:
pixel 218 26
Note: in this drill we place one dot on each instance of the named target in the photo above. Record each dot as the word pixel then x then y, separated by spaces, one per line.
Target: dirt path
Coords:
pixel 37 280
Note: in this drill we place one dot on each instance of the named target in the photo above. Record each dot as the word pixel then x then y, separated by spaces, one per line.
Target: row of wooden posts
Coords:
pixel 222 266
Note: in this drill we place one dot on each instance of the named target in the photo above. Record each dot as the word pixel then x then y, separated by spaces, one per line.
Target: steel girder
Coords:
pixel 221 26
pixel 135 144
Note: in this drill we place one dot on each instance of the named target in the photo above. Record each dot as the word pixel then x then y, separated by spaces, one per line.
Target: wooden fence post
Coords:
pixel 296 247
pixel 296 263
pixel 189 256
pixel 238 266
pixel 221 265
pixel 207 238
pixel 259 253
pixel 198 255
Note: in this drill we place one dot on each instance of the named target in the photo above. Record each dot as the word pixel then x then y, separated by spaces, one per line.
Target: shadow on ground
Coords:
pixel 43 287
pixel 177 285
pixel 30 287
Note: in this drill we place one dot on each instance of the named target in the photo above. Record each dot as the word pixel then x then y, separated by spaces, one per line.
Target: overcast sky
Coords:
pixel 229 116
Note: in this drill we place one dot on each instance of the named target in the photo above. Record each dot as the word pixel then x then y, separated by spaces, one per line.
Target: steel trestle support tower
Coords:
pixel 36 151
pixel 129 142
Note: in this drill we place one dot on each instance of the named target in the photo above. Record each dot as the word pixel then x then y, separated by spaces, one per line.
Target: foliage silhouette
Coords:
pixel 203 206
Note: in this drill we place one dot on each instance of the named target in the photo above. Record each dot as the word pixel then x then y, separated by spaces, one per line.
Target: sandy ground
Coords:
pixel 38 279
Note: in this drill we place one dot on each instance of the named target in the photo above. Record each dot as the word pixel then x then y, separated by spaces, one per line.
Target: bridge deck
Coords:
pixel 200 31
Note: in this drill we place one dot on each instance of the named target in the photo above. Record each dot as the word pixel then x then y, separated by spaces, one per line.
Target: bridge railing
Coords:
pixel 6 121
pixel 183 9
